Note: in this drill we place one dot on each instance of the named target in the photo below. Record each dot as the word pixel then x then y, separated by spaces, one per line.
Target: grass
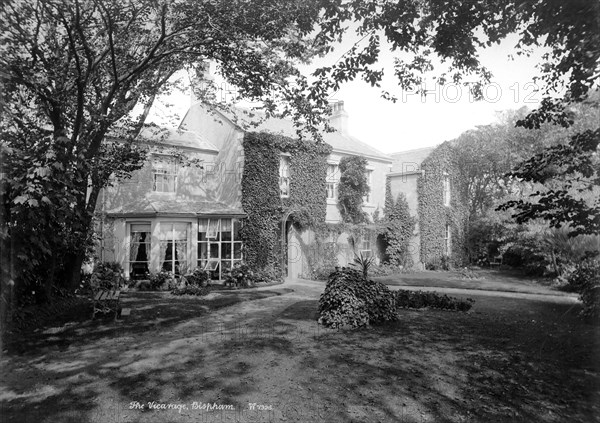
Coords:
pixel 508 360
pixel 485 279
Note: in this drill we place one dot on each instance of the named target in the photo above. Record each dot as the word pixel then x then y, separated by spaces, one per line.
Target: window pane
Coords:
pixel 180 231
pixel 213 228
pixel 237 250
pixel 214 250
pixel 202 250
pixel 167 256
pixel 140 227
pixel 212 265
pixel 226 225
pixel 284 174
pixel 166 231
pixel 226 251
pixel 237 225
pixel 202 225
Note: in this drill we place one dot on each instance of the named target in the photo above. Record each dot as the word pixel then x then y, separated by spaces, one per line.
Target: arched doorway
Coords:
pixel 291 258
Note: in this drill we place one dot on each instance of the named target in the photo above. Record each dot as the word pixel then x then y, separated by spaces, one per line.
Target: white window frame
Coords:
pixel 214 263
pixel 131 262
pixel 164 167
pixel 187 263
pixel 332 180
pixel 367 198
pixel 446 189
pixel 284 176
pixel 447 240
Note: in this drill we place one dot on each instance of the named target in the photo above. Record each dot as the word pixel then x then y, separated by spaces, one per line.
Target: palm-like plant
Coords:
pixel 364 263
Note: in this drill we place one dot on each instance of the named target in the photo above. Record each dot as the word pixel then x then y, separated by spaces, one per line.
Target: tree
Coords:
pixel 489 152
pixel 78 81
pixel 574 198
pixel 78 76
pixel 352 189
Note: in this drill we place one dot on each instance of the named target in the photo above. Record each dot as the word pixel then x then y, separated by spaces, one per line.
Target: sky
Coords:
pixel 415 121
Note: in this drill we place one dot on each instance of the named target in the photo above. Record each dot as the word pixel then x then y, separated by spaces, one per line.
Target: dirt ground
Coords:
pixel 266 360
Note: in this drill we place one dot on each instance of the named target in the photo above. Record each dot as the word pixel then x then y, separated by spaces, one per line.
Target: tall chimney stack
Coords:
pixel 339 117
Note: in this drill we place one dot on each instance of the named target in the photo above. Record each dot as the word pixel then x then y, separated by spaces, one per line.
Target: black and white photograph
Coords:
pixel 299 211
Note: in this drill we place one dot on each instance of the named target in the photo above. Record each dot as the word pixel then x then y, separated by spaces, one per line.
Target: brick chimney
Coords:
pixel 339 117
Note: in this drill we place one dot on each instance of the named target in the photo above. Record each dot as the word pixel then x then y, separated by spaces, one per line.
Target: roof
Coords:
pixel 176 138
pixel 410 161
pixel 156 207
pixel 339 142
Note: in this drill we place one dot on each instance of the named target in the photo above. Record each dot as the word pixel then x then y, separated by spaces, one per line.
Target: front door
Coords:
pixel 294 252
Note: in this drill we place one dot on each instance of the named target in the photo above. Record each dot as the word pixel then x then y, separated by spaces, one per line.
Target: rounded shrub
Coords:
pixel 351 300
pixel 198 277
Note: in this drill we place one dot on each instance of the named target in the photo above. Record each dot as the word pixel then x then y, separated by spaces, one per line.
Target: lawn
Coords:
pixel 486 279
pixel 506 360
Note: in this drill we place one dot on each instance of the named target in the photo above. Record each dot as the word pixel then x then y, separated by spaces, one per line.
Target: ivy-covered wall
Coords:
pixel 261 196
pixel 352 189
pixel 434 215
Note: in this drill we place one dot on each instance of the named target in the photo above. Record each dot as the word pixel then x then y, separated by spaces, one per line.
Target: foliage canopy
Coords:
pixel 79 78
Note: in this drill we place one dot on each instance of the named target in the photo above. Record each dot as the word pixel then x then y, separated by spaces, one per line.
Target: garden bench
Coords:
pixel 106 301
pixel 496 261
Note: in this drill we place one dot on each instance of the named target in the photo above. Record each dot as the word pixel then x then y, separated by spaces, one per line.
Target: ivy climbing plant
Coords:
pixel 400 227
pixel 434 215
pixel 261 198
pixel 352 188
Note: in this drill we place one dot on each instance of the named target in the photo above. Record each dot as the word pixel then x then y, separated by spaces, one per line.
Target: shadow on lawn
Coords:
pixel 46 385
pixel 440 366
pixel 150 311
pixel 508 360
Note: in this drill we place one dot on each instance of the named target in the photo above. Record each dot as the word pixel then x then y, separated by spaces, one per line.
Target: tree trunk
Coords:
pixel 74 262
pixel 7 255
pixel 6 286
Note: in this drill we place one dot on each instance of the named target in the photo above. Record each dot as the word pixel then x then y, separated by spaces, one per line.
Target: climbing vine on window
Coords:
pixel 261 195
pixel 352 189
pixel 434 215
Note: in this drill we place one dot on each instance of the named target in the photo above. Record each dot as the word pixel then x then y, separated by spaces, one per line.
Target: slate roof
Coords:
pixel 340 143
pixel 158 207
pixel 176 137
pixel 410 160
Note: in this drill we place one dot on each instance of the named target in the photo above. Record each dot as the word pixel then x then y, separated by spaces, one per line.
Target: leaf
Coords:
pixel 20 199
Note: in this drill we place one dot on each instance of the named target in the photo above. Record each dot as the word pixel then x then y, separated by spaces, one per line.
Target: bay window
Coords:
pixel 219 245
